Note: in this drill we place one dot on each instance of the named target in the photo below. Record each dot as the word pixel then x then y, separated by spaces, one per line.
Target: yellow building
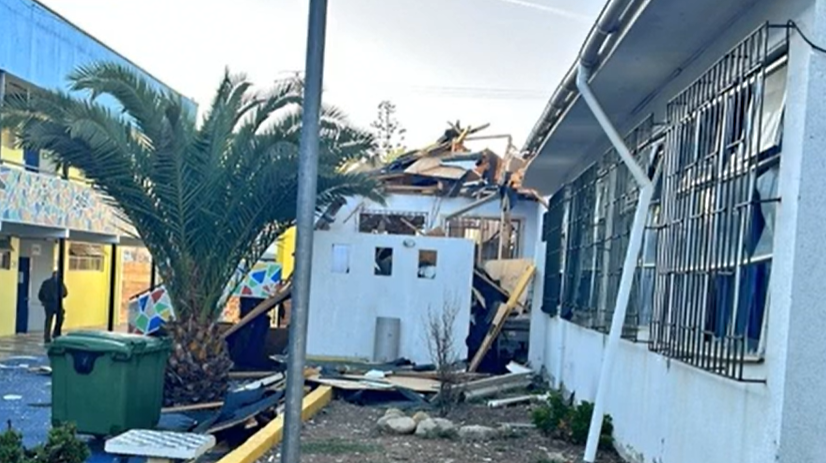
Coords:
pixel 51 219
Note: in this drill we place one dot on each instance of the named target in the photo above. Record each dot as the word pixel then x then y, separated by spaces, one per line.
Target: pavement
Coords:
pixel 25 395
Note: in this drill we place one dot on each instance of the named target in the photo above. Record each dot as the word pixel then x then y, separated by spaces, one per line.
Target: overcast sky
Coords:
pixel 477 61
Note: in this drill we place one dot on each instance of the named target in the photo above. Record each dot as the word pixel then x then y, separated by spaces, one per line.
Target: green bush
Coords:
pixel 11 446
pixel 62 446
pixel 559 419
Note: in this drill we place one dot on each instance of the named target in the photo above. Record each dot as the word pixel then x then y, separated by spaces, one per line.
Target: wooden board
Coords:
pixel 501 315
pixel 508 272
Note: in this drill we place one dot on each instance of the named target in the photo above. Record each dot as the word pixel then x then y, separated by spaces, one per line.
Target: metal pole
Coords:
pixel 629 265
pixel 2 99
pixel 307 184
pixel 113 274
pixel 152 273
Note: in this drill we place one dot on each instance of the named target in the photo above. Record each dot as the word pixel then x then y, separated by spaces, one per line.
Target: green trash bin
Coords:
pixel 107 383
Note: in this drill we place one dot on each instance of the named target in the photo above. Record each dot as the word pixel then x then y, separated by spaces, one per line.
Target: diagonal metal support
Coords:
pixel 629 266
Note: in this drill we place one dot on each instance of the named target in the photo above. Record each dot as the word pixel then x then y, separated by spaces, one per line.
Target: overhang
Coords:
pixel 662 39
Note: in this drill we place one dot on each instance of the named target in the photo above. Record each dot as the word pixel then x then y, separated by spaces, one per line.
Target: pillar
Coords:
pixel 796 350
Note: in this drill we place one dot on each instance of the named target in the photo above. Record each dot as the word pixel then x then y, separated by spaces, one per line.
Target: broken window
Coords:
pixel 341 258
pixel 485 233
pixel 384 262
pixel 427 264
pixel 392 223
pixel 86 257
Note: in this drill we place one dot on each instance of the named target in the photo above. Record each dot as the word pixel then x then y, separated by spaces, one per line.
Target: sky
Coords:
pixel 475 61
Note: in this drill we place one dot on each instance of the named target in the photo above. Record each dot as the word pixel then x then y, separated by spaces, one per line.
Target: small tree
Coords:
pixel 441 343
pixel 389 132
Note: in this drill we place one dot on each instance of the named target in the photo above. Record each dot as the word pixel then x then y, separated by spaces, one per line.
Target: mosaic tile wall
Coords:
pixel 150 310
pixel 29 197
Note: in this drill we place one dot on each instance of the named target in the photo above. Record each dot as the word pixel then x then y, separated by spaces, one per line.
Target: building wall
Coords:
pixel 665 411
pixel 88 302
pixel 436 207
pixel 8 152
pixel 42 48
pixel 344 306
pixel 285 247
pixel 8 293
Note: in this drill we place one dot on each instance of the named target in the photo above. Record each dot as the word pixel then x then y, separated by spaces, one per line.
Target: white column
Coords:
pixel 796 345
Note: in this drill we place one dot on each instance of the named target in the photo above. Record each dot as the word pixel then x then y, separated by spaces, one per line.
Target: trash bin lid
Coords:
pixel 107 342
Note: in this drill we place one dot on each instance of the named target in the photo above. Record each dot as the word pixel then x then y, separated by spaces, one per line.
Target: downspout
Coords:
pixel 628 267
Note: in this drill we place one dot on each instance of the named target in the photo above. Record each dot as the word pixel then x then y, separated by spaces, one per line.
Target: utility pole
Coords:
pixel 307 185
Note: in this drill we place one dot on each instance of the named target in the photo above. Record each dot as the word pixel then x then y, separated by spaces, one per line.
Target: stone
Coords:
pixel 399 425
pixel 477 433
pixel 420 416
pixel 394 412
pixel 436 427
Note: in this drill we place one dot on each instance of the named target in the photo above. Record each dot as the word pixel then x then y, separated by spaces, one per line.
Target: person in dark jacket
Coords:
pixel 52 291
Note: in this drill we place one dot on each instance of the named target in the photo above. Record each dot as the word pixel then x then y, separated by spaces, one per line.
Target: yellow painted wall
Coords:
pixel 7 150
pixel 8 293
pixel 88 302
pixel 285 247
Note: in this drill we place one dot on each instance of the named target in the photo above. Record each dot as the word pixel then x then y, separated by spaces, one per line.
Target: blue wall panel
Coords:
pixel 41 48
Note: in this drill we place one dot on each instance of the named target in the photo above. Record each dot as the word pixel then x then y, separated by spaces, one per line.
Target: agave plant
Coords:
pixel 203 198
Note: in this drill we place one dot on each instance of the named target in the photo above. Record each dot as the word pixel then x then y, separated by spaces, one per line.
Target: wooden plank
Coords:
pixel 265 306
pixel 193 407
pixel 270 435
pixel 501 315
pixel 507 272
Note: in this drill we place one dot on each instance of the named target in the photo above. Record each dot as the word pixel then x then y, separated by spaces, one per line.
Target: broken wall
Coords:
pixel 349 291
pixel 434 207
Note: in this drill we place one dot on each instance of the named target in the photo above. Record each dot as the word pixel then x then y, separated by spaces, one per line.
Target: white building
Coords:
pixel 722 353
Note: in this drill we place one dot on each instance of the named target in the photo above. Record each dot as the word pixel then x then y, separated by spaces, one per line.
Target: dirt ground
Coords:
pixel 344 433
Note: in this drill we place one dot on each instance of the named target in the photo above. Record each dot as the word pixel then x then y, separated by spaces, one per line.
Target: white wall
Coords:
pixel 436 207
pixel 665 411
pixel 344 306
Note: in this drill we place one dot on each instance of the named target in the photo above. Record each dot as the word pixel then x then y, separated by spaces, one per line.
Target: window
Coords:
pixel 6 251
pixel 341 258
pixel 86 257
pixel 485 232
pixel 384 262
pixel 700 293
pixel 427 264
pixel 717 219
pixel 392 223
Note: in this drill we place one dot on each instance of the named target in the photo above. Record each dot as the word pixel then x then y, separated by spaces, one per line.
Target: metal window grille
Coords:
pixel 599 211
pixel 713 257
pixel 86 257
pixel 391 222
pixel 486 233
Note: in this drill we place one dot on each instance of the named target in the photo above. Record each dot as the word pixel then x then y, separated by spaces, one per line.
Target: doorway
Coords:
pixel 23 283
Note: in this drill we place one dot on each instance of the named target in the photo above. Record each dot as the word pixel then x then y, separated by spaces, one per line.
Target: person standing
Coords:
pixel 52 291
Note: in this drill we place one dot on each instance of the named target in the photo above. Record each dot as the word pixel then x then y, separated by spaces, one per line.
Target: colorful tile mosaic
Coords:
pixel 46 200
pixel 150 310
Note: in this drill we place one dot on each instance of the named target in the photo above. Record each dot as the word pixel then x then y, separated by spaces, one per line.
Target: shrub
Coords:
pixel 561 420
pixel 11 446
pixel 62 446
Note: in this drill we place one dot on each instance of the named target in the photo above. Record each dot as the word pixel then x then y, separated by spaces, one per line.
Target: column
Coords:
pixel 796 349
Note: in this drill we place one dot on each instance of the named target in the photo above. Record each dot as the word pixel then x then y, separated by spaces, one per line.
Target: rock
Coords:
pixel 394 412
pixel 432 428
pixel 477 433
pixel 557 456
pixel 508 431
pixel 420 416
pixel 397 425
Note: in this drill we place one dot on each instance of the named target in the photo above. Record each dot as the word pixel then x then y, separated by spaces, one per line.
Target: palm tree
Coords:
pixel 204 199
